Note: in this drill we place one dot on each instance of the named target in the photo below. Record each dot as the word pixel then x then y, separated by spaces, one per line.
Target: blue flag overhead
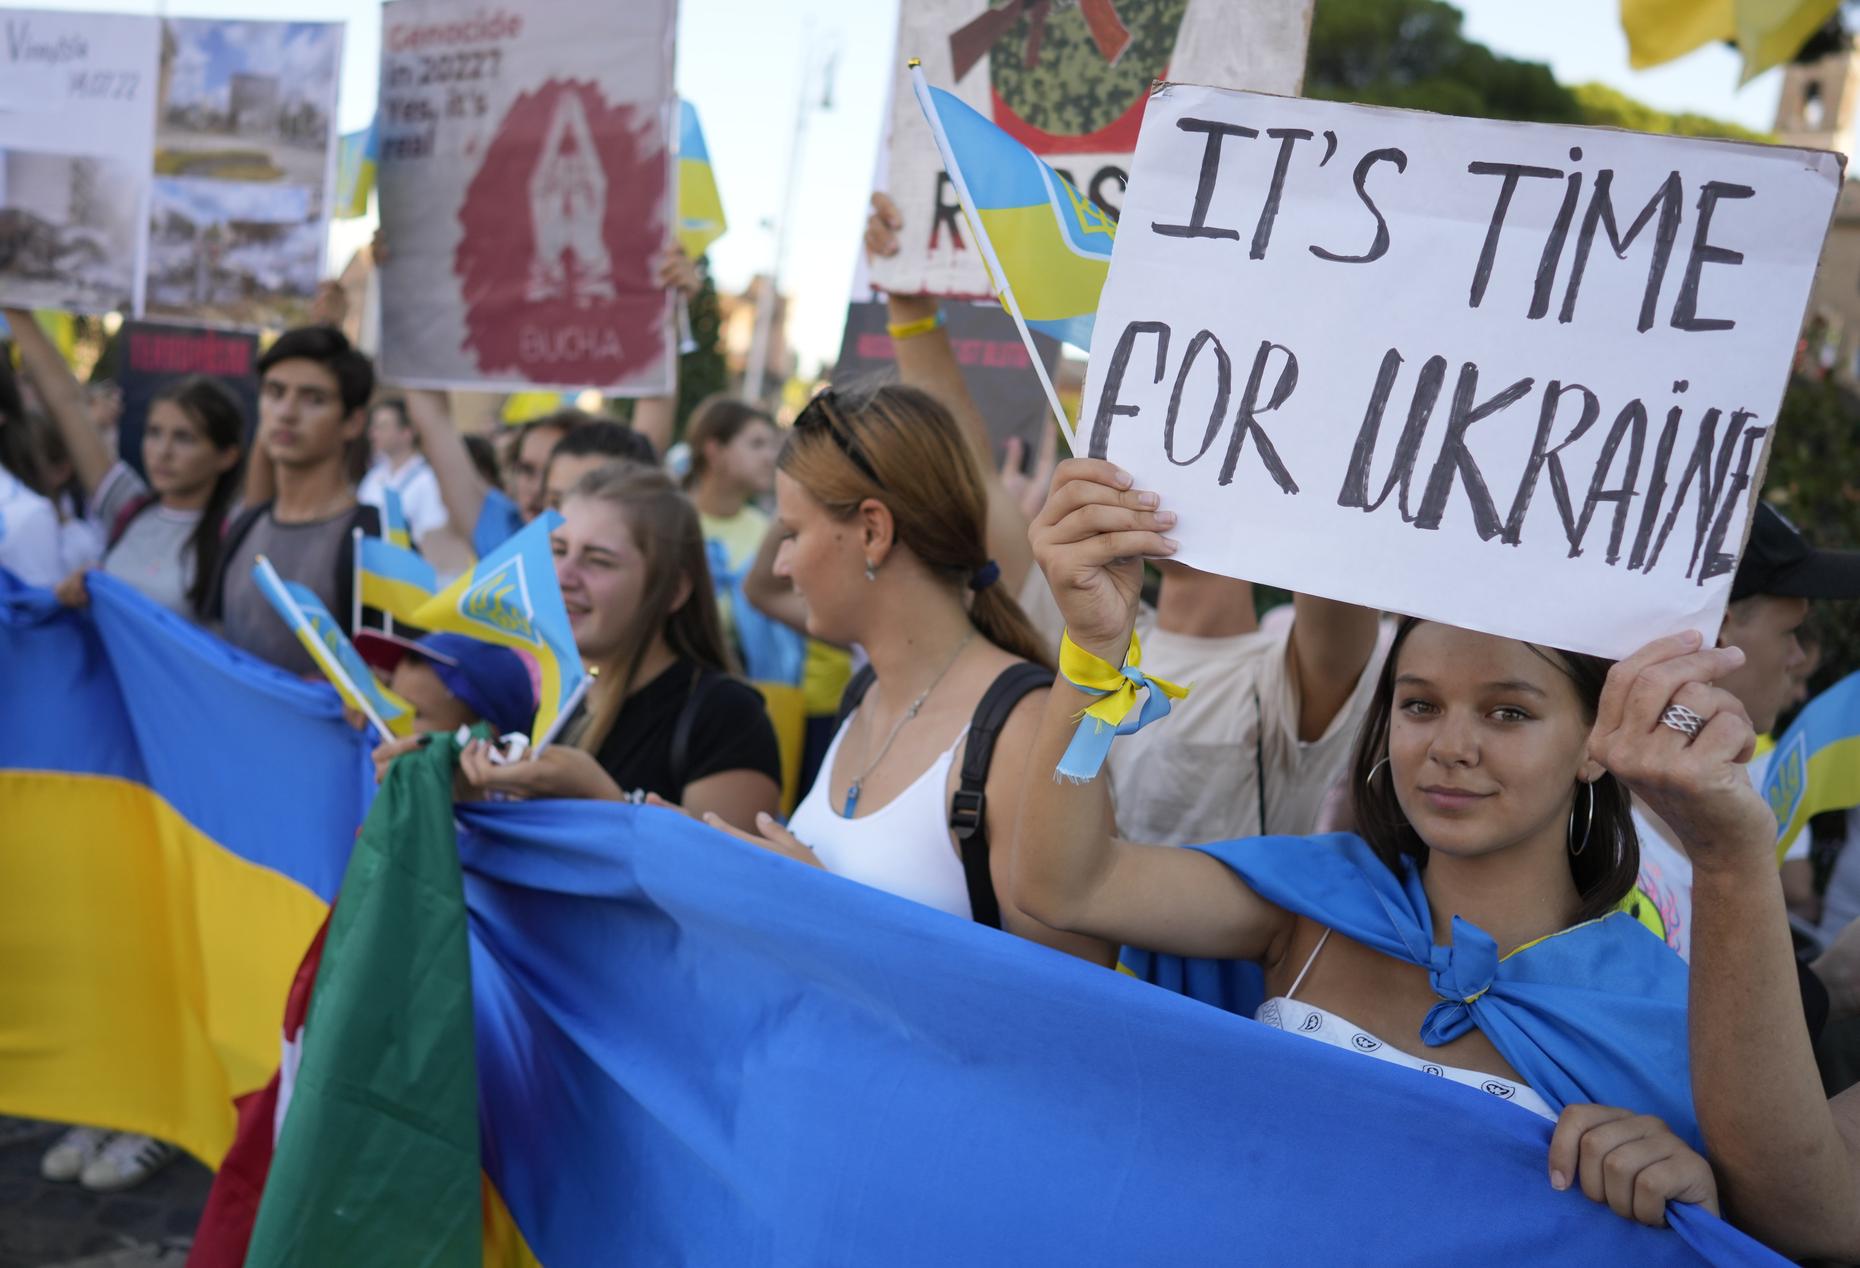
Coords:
pixel 1053 245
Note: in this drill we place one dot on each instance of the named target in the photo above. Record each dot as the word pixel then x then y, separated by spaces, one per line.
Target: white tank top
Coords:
pixel 903 847
pixel 1282 1012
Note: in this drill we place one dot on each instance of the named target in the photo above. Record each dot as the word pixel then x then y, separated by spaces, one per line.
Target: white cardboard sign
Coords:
pixel 1515 377
pixel 77 127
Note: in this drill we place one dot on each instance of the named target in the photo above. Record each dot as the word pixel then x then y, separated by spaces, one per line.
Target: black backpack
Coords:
pixel 364 517
pixel 968 806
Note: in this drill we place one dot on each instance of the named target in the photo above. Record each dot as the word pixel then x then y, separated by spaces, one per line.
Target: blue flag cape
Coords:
pixel 1594 1013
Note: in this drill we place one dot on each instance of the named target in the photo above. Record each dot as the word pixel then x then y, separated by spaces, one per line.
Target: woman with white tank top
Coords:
pixel 883 514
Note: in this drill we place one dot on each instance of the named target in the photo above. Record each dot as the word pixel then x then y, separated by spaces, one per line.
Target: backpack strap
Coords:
pixel 968 806
pixel 684 724
pixel 856 688
pixel 229 545
pixel 126 517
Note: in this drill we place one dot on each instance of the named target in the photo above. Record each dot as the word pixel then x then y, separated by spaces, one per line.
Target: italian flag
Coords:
pixel 363 1149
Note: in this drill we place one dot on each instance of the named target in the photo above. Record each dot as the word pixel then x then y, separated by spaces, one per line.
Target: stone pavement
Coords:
pixel 46 1225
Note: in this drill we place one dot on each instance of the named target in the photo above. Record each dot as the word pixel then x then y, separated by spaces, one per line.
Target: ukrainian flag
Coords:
pixel 391 579
pixel 176 817
pixel 1817 761
pixel 394 528
pixel 1048 247
pixel 331 649
pixel 700 207
pixel 510 598
pixel 358 156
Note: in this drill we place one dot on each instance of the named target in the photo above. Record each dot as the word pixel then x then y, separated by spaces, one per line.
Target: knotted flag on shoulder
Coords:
pixel 511 598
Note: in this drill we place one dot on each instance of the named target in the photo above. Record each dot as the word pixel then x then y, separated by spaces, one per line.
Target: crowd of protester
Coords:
pixel 939 621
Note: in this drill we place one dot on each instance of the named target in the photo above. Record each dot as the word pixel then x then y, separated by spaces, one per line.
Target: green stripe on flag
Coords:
pixel 378 1160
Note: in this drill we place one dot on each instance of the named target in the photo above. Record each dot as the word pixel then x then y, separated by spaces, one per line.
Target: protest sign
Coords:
pixel 245 165
pixel 149 356
pixel 995 364
pixel 1516 377
pixel 1067 81
pixel 527 185
pixel 77 125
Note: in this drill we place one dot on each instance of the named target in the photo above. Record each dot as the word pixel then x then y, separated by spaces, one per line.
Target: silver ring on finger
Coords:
pixel 1682 719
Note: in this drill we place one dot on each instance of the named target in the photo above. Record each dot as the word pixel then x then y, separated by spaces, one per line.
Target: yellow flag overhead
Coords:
pixel 1767 32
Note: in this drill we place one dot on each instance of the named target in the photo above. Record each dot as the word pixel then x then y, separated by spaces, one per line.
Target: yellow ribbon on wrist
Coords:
pixel 1109 716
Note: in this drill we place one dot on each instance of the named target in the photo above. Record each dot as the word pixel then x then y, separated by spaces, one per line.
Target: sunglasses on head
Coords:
pixel 823 413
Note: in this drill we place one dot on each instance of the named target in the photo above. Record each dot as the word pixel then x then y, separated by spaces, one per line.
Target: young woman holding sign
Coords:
pixel 1471 933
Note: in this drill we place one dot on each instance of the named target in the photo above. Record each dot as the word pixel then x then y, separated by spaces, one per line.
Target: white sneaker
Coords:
pixel 126 1161
pixel 74 1151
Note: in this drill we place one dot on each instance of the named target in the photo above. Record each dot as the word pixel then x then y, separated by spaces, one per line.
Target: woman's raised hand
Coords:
pixel 1090 539
pixel 1695 778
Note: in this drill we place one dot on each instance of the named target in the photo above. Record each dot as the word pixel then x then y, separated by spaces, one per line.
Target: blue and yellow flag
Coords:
pixel 394 528
pixel 1817 761
pixel 511 598
pixel 700 207
pixel 391 579
pixel 1047 246
pixel 323 637
pixel 358 157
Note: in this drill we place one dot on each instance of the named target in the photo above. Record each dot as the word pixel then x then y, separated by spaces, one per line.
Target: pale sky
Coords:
pixel 741 62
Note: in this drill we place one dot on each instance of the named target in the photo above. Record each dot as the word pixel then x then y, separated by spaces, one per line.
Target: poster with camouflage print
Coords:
pixel 1069 80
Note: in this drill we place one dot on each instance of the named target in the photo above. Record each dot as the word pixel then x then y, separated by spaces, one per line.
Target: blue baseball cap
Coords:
pixel 494 682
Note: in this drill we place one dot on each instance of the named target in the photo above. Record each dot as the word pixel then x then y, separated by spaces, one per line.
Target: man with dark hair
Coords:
pixel 592 444
pixel 313 391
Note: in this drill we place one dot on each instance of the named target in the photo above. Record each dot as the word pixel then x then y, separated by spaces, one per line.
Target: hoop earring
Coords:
pixel 1588 822
pixel 871 571
pixel 1370 778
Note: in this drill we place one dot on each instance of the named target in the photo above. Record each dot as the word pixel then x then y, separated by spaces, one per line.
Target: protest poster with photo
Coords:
pixel 995 365
pixel 1067 81
pixel 245 163
pixel 526 179
pixel 1515 377
pixel 146 357
pixel 77 122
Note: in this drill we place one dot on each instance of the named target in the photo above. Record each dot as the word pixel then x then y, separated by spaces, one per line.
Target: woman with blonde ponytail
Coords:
pixel 882 512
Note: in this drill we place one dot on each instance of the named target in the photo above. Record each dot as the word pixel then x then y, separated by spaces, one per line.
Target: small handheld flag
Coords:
pixel 510 598
pixel 390 579
pixel 357 159
pixel 1047 247
pixel 700 207
pixel 333 653
pixel 394 528
pixel 1816 766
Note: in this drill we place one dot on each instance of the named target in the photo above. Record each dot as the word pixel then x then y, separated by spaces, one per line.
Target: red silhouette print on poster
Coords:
pixel 560 226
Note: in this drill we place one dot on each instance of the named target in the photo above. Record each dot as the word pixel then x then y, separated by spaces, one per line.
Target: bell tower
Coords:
pixel 1819 101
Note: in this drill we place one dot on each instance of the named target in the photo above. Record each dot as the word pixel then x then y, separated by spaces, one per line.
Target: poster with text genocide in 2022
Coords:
pixel 77 127
pixel 1068 81
pixel 1515 377
pixel 526 189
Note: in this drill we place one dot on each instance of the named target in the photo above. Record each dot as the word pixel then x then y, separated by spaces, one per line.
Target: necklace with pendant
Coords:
pixel 852 791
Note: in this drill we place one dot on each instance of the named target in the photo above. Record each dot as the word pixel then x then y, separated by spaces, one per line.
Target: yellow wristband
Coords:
pixel 911 329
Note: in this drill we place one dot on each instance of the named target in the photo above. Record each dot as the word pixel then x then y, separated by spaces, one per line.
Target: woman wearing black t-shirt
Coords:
pixel 664 717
